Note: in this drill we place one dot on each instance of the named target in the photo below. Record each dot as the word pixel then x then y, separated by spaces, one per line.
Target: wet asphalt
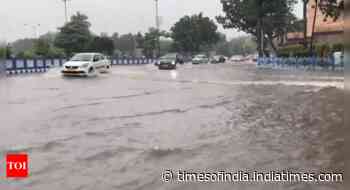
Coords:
pixel 121 130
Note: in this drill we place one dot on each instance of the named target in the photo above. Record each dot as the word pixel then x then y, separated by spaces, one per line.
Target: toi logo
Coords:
pixel 16 166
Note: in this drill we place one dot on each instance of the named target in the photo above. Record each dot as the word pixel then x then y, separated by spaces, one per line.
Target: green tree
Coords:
pixel 22 45
pixel 222 46
pixel 8 52
pixel 75 35
pixel 243 45
pixel 49 37
pixel 125 43
pixel 5 51
pixel 150 42
pixel 27 54
pixel 41 47
pixel 140 40
pixel 264 19
pixel 166 46
pixel 2 52
pixel 55 52
pixel 102 44
pixel 194 33
pixel 332 8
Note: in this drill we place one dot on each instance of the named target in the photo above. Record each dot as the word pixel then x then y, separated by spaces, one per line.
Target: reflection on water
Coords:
pixel 173 74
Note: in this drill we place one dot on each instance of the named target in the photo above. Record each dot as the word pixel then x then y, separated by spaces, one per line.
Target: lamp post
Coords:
pixel 158 28
pixel 65 10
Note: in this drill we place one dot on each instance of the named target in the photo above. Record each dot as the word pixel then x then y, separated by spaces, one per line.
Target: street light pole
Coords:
pixel 158 27
pixel 65 10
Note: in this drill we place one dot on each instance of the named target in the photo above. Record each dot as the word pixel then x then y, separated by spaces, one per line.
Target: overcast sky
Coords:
pixel 122 16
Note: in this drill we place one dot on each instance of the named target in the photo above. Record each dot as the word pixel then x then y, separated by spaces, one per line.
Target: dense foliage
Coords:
pixel 2 52
pixel 321 50
pixel 5 52
pixel 75 35
pixel 332 8
pixel 244 45
pixel 264 19
pixel 194 33
pixel 102 44
pixel 191 34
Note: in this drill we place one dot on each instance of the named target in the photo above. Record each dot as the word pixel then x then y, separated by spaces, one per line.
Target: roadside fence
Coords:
pixel 2 67
pixel 309 63
pixel 23 66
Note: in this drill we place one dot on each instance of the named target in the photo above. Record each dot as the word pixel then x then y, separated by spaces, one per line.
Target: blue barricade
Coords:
pixel 19 66
pixel 308 62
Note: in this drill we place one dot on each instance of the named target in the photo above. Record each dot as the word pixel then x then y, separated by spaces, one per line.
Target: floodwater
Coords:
pixel 123 129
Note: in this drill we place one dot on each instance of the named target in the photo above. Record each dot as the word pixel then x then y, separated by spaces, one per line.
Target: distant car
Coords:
pixel 237 58
pixel 170 61
pixel 218 59
pixel 338 58
pixel 200 59
pixel 252 57
pixel 85 64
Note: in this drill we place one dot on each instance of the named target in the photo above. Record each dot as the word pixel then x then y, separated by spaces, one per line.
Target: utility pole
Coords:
pixel 65 10
pixel 261 29
pixel 158 28
pixel 262 35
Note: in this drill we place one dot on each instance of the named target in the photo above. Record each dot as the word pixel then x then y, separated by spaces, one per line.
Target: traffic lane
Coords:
pixel 49 90
pixel 244 74
pixel 35 97
pixel 49 113
pixel 132 124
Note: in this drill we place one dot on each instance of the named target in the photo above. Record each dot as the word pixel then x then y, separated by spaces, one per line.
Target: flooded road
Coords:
pixel 123 129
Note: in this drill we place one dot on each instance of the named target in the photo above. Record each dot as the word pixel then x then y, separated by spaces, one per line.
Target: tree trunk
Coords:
pixel 313 28
pixel 260 38
pixel 273 46
pixel 305 2
pixel 260 31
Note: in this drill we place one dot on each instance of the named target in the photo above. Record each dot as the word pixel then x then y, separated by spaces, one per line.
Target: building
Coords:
pixel 326 30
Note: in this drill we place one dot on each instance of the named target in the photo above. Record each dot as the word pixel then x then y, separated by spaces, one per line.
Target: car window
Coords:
pixel 96 58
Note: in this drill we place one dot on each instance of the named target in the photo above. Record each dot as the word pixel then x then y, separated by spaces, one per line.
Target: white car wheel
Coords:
pixel 106 69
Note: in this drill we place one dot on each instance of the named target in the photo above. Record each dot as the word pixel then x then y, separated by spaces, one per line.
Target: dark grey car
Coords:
pixel 170 61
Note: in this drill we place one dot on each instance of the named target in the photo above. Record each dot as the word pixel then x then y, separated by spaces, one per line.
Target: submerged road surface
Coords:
pixel 122 130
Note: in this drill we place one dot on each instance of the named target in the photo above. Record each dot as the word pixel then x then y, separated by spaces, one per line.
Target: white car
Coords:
pixel 237 58
pixel 338 58
pixel 86 64
pixel 200 59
